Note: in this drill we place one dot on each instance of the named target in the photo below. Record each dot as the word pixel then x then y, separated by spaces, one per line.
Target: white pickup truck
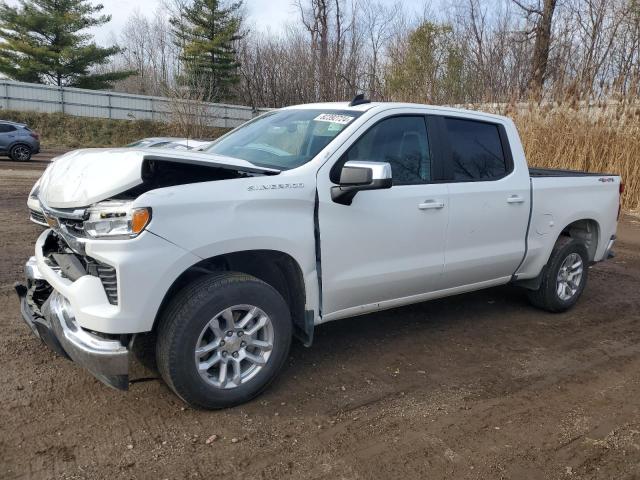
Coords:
pixel 301 216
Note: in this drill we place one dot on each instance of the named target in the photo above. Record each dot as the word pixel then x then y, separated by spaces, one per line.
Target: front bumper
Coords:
pixel 145 266
pixel 55 324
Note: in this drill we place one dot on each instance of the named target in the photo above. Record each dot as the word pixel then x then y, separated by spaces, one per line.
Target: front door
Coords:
pixel 388 244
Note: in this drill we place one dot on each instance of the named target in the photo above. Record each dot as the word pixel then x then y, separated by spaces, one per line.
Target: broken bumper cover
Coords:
pixel 54 323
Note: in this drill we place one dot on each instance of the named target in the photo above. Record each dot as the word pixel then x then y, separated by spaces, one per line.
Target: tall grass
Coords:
pixel 600 138
pixel 67 131
pixel 596 139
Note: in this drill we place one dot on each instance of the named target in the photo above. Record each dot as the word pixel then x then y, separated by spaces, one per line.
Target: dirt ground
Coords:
pixel 476 386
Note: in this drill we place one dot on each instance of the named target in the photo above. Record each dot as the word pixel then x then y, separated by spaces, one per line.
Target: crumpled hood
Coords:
pixel 83 177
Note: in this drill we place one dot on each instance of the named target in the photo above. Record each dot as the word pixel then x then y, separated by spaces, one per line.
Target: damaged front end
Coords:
pixel 87 290
pixel 51 318
pixel 50 315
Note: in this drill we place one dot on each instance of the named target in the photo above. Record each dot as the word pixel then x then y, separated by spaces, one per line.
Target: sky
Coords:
pixel 263 14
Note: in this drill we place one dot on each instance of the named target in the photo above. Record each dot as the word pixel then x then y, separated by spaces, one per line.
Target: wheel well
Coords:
pixel 276 268
pixel 18 143
pixel 587 231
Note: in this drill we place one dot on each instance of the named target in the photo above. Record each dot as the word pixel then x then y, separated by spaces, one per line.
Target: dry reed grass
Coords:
pixel 595 139
pixel 602 137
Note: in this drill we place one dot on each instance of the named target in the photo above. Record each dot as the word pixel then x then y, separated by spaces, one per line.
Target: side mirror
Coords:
pixel 356 176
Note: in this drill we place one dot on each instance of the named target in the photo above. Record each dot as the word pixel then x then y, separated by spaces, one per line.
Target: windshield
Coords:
pixel 140 143
pixel 284 139
pixel 171 146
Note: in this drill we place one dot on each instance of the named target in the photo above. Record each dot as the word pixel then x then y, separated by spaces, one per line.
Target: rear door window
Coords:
pixel 4 128
pixel 476 150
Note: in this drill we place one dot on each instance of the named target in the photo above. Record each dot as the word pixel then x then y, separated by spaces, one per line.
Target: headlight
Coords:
pixel 35 190
pixel 32 201
pixel 116 220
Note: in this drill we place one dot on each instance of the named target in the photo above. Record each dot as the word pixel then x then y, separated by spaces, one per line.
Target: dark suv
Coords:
pixel 18 141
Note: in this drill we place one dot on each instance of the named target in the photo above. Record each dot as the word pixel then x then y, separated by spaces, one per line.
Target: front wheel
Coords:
pixel 223 339
pixel 20 153
pixel 564 278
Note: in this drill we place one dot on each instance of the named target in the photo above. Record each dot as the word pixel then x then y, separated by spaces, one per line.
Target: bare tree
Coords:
pixel 378 22
pixel 149 49
pixel 542 17
pixel 502 51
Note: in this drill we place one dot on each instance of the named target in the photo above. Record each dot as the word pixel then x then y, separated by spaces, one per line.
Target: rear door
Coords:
pixel 489 203
pixel 388 244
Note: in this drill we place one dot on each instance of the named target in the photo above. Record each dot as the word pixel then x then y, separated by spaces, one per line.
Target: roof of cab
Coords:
pixel 362 107
pixel 381 106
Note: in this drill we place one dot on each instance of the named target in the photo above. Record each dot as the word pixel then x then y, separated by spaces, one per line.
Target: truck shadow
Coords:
pixel 414 347
pixel 497 305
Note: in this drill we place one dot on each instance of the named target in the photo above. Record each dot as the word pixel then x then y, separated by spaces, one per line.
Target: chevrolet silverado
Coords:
pixel 214 260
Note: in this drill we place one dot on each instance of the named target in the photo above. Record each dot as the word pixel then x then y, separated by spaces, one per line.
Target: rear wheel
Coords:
pixel 564 278
pixel 20 153
pixel 223 339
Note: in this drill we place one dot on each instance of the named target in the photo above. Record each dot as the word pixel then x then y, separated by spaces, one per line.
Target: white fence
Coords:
pixel 120 106
pixel 125 106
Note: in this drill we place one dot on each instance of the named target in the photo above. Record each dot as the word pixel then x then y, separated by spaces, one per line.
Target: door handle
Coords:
pixel 515 199
pixel 431 204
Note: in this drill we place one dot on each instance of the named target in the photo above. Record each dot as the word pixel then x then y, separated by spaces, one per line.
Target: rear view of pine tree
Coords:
pixel 206 32
pixel 43 42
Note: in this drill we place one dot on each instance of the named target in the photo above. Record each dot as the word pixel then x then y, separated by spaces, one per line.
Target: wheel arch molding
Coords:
pixel 276 268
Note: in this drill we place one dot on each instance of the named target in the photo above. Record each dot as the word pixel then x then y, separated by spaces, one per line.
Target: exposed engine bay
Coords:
pixel 160 173
pixel 82 178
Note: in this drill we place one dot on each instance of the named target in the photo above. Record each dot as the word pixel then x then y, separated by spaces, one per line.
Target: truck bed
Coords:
pixel 562 197
pixel 556 172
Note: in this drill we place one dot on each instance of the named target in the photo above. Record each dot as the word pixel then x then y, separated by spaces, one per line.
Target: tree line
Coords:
pixel 467 51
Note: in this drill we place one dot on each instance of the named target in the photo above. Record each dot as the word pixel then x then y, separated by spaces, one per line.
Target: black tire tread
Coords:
pixel 182 306
pixel 170 318
pixel 545 297
pixel 19 145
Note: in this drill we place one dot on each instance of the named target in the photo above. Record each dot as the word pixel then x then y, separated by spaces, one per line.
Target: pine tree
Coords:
pixel 206 31
pixel 44 43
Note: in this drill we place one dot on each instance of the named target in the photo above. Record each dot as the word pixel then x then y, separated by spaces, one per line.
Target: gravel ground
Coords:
pixel 475 386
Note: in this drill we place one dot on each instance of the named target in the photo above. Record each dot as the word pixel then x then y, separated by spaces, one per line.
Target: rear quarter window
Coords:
pixel 476 150
pixel 4 128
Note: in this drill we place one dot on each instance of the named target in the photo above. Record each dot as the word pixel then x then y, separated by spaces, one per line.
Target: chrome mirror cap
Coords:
pixel 359 175
pixel 379 170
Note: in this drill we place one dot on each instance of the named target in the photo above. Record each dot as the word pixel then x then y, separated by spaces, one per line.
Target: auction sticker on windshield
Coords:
pixel 333 118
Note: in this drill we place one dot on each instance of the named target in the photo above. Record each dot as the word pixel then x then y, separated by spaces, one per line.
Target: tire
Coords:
pixel 210 311
pixel 550 296
pixel 20 153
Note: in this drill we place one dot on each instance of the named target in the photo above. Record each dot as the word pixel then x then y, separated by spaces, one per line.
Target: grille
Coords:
pixel 109 281
pixel 74 227
pixel 37 217
pixel 108 277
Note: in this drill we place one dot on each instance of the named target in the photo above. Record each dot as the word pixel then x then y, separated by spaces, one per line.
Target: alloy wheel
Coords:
pixel 234 346
pixel 21 153
pixel 569 277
